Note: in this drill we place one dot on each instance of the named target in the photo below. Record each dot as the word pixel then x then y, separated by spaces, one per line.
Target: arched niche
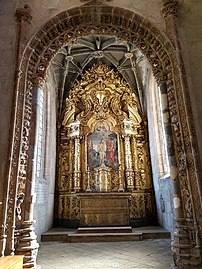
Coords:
pixel 91 19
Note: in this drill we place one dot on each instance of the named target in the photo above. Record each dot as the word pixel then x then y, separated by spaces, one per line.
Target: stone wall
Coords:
pixel 45 184
pixel 7 67
pixel 190 30
pixel 163 187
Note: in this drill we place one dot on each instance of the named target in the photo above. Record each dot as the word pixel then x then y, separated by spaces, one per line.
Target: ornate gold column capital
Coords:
pixel 24 14
pixel 169 7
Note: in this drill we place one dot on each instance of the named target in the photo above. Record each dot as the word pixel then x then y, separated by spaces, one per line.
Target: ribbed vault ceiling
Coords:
pixel 77 57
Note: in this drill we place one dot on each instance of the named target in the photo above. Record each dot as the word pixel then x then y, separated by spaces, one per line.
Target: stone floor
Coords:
pixel 147 254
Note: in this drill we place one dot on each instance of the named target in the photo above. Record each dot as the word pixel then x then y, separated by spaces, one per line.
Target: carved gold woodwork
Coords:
pixel 103 147
pixel 104 210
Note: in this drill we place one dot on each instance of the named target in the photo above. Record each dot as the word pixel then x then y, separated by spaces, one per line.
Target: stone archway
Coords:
pixel 160 53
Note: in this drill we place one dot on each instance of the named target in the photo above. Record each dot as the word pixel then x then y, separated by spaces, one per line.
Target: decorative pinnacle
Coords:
pixel 24 14
pixel 169 7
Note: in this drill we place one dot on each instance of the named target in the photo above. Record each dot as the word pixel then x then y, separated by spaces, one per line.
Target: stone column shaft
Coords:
pixel 7 214
pixel 181 235
pixel 171 151
pixel 27 244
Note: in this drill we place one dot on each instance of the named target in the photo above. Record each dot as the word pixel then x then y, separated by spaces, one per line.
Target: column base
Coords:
pixel 2 245
pixel 27 244
pixel 185 252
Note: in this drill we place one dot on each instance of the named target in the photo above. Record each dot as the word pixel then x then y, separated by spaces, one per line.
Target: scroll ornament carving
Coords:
pixel 63 184
pixel 101 99
pixel 69 207
pixel 140 205
pixel 101 95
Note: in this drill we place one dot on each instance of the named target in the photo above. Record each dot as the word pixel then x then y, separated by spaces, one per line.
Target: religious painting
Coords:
pixel 102 150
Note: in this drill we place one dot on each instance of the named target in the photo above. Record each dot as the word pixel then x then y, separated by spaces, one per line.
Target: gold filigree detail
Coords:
pixel 102 100
pixel 101 96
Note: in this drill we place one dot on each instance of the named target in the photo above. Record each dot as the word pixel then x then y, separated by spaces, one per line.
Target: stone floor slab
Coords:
pixel 148 254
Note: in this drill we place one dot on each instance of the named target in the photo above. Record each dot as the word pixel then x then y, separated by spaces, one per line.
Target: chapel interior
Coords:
pixel 100 122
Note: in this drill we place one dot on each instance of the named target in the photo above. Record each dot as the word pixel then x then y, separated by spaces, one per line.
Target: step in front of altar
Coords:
pixel 104 237
pixel 89 230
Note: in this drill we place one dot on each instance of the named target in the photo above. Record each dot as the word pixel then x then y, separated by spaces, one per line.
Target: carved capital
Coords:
pixel 24 14
pixel 127 136
pixel 169 7
pixel 38 82
pixel 161 78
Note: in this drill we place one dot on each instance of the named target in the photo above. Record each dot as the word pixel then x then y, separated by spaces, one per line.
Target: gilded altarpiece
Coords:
pixel 104 176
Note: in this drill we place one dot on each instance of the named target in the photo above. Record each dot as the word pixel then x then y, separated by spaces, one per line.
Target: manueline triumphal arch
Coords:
pixel 164 56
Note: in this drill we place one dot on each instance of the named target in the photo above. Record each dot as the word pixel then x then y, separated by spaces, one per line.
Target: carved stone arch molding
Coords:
pixel 98 19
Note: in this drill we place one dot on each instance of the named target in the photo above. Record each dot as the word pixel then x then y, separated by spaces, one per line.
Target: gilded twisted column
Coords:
pixel 71 162
pixel 136 164
pixel 129 166
pixel 88 177
pixel 120 188
pixel 77 164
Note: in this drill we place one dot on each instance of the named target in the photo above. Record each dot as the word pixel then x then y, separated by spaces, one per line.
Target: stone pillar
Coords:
pixel 180 242
pixel 26 238
pixel 23 18
pixel 170 150
pixel 128 160
pixel 8 221
pixel 77 164
pixel 187 244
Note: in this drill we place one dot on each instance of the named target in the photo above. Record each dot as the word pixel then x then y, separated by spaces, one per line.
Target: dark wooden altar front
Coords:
pixel 104 210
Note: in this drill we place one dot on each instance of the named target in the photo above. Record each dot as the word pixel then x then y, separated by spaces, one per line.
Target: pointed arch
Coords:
pixel 66 27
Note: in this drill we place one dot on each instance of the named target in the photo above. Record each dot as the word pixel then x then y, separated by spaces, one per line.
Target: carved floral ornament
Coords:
pixel 102 98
